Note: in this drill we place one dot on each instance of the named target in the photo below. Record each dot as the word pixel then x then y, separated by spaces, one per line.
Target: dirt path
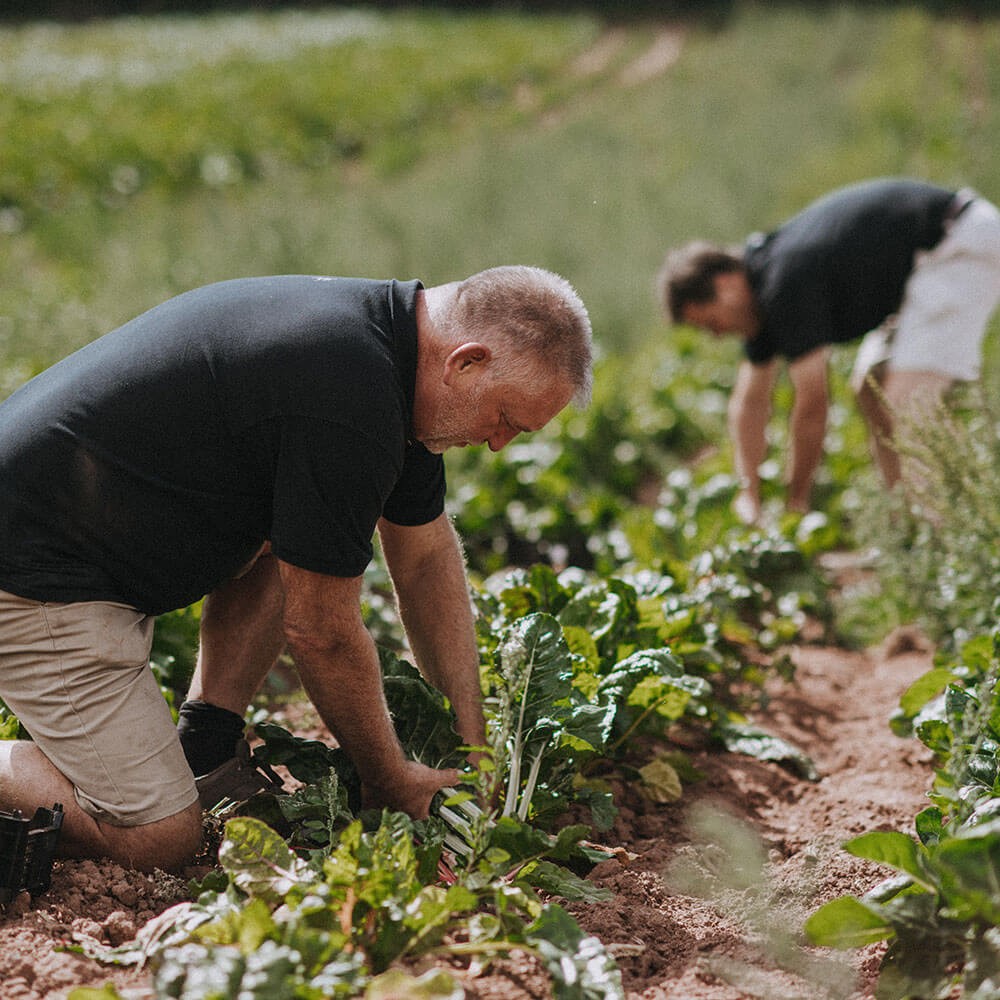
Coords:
pixel 709 909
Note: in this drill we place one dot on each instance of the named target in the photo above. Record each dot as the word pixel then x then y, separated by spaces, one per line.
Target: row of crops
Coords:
pixel 940 910
pixel 580 670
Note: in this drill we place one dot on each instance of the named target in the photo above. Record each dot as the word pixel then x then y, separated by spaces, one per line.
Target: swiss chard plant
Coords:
pixel 695 645
pixel 332 927
pixel 320 899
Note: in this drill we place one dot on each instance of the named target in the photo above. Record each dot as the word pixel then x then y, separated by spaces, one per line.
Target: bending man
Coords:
pixel 244 441
pixel 912 268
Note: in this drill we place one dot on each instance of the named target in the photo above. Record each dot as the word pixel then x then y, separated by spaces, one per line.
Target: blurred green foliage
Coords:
pixel 142 156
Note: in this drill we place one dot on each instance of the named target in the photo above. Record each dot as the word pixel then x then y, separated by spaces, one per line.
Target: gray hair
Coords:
pixel 536 318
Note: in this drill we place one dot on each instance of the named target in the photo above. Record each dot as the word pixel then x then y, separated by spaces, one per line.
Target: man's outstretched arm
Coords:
pixel 432 592
pixel 749 413
pixel 807 427
pixel 339 667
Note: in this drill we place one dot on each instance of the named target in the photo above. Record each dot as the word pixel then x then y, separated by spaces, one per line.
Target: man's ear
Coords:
pixel 464 359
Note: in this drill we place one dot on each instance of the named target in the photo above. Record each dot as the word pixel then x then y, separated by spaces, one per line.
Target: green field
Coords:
pixel 139 158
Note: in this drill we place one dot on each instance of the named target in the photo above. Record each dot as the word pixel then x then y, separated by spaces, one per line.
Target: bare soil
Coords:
pixel 711 901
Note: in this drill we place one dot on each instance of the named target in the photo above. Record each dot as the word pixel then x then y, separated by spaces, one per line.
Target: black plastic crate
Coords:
pixel 27 847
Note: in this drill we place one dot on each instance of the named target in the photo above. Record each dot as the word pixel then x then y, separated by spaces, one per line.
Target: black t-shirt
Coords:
pixel 838 269
pixel 150 465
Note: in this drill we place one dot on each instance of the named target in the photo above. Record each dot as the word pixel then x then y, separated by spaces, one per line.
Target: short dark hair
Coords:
pixel 688 275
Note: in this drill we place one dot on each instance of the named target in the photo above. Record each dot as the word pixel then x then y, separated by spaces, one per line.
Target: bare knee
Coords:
pixel 915 393
pixel 168 844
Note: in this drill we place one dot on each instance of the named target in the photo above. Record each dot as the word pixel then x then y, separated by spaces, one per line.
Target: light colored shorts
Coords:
pixel 77 676
pixel 949 298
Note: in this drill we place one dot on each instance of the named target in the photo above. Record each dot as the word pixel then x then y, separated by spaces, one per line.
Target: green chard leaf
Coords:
pixel 746 738
pixel 898 850
pixel 540 709
pixel 847 922
pixel 580 967
pixel 969 867
pixel 258 860
pixel 924 689
pixel 559 881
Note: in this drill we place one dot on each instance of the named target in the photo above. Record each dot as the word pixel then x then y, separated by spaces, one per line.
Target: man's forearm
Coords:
pixel 807 425
pixel 432 593
pixel 442 636
pixel 344 683
pixel 339 666
pixel 748 431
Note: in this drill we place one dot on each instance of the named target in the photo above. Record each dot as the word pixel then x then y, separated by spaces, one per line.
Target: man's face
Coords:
pixel 493 413
pixel 731 311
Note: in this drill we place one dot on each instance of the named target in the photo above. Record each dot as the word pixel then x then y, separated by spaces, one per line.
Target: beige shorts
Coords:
pixel 77 677
pixel 949 298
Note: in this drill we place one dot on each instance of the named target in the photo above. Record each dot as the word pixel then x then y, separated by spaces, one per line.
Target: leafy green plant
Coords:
pixel 940 916
pixel 941 913
pixel 541 718
pixel 330 927
pixel 720 615
pixel 10 726
pixel 175 650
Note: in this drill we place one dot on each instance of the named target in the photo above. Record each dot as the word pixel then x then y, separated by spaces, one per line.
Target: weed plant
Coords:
pixel 935 539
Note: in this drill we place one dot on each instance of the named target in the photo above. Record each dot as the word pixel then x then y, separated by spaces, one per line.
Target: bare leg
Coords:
pixel 872 404
pixel 912 398
pixel 905 398
pixel 28 780
pixel 915 393
pixel 241 637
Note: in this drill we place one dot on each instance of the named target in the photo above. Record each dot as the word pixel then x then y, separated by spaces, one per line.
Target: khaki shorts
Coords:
pixel 77 677
pixel 949 298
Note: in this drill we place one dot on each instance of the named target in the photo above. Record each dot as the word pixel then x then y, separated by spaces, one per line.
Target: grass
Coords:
pixel 141 157
pixel 934 541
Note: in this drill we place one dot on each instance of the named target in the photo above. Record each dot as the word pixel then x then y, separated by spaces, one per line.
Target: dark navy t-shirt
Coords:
pixel 838 269
pixel 149 466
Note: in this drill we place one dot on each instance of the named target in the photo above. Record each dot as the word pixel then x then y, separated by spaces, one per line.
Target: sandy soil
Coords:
pixel 709 908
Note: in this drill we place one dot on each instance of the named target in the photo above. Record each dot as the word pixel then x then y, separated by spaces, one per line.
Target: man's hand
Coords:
pixel 412 794
pixel 797 505
pixel 746 506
